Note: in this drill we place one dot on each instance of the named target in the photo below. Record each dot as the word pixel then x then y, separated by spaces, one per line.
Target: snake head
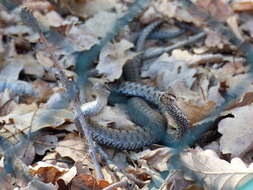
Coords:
pixel 167 98
pixel 170 109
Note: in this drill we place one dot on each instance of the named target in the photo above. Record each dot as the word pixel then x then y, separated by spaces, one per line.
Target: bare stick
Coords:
pixel 71 89
pixel 79 116
pixel 123 183
pixel 168 179
pixel 153 52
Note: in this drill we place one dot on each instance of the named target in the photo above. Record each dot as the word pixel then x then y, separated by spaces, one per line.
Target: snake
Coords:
pixel 151 125
pixel 123 138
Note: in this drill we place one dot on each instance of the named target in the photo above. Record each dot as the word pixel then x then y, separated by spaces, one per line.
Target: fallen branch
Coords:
pixel 154 52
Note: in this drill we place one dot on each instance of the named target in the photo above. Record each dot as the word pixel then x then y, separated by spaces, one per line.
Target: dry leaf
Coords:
pixel 213 39
pixel 237 131
pixel 173 9
pixel 86 8
pixel 82 38
pixel 113 57
pixel 157 159
pixel 17 87
pixel 217 174
pixel 242 5
pixel 51 173
pixel 88 182
pixel 234 25
pixel 246 99
pixel 101 23
pixel 168 71
pixel 248 26
pixel 43 90
pixel 12 70
pixel 43 143
pixel 113 115
pixel 50 118
pixel 74 147
pixel 195 111
pixel 216 8
pixel 193 59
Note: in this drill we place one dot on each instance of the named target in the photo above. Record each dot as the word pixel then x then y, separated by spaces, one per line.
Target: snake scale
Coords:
pixel 152 125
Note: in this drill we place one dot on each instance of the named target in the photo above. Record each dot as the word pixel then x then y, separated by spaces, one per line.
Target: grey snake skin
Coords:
pixel 152 125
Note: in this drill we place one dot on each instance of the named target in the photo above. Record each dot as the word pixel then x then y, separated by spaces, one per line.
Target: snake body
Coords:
pixel 165 101
pixel 135 138
pixel 123 138
pixel 151 94
pixel 152 125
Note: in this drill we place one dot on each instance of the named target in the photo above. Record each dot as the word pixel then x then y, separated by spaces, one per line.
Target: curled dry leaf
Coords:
pixel 12 70
pixel 213 40
pixel 82 38
pixel 231 70
pixel 248 26
pixel 246 99
pixel 172 9
pixel 168 71
pixel 113 115
pixel 242 5
pixel 43 143
pixel 17 121
pixel 196 111
pixel 101 23
pixel 24 117
pixel 193 59
pixel 218 9
pixel 73 147
pixel 17 87
pixel 50 173
pixel 217 174
pixel 7 104
pixel 157 159
pixel 237 132
pixel 87 182
pixel 113 57
pixel 50 118
pixel 89 8
pixel 233 22
pixel 43 90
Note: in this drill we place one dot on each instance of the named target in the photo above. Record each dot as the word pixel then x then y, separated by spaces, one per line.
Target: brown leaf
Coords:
pixel 85 8
pixel 244 101
pixel 48 174
pixel 74 147
pixel 83 181
pixel 217 8
pixel 195 111
pixel 43 90
pixel 242 6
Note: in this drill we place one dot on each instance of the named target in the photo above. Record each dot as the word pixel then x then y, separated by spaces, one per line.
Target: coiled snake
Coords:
pixel 152 127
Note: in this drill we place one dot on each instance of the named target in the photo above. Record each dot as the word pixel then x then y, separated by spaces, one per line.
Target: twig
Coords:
pixel 123 183
pixel 168 179
pixel 79 117
pixel 121 174
pixel 153 52
pixel 71 90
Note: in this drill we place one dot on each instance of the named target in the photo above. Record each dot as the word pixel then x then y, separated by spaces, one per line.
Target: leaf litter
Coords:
pixel 201 75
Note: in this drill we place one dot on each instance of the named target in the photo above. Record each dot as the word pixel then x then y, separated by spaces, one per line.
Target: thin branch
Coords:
pixel 153 52
pixel 83 125
pixel 123 184
pixel 71 89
